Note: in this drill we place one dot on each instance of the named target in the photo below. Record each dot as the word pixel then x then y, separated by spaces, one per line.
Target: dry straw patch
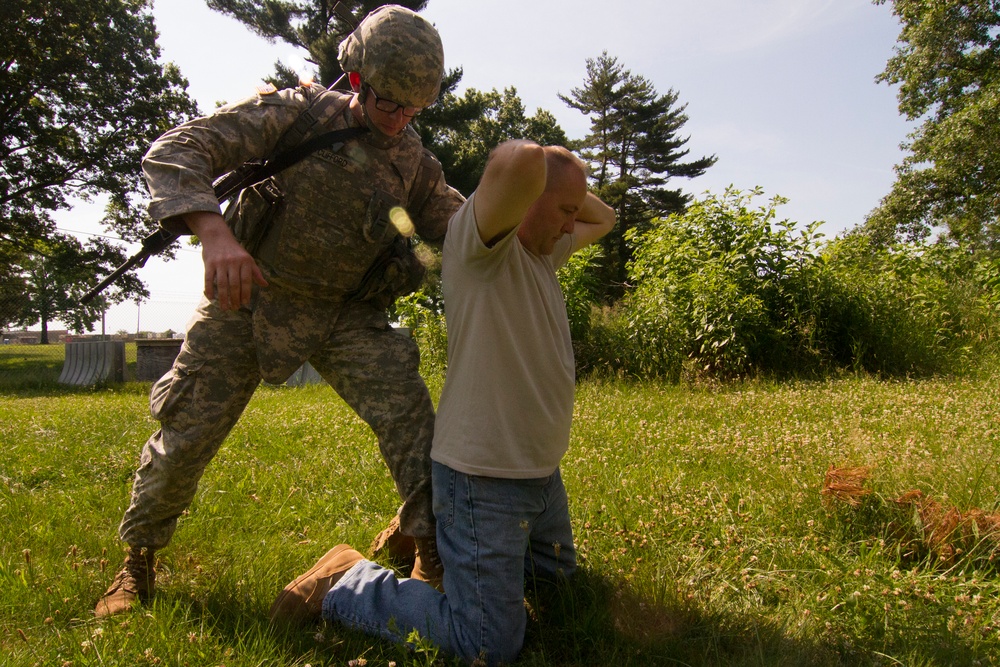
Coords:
pixel 949 532
pixel 846 484
pixel 946 531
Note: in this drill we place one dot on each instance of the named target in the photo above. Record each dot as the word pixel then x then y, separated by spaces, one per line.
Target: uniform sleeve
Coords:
pixel 433 214
pixel 181 165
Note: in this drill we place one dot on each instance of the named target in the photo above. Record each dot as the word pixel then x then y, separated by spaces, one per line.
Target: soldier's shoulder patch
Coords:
pixel 267 89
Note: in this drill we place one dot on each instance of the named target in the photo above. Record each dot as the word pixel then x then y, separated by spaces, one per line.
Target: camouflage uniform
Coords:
pixel 325 233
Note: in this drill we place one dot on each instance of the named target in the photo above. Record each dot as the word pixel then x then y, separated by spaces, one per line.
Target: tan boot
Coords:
pixel 136 581
pixel 394 546
pixel 427 566
pixel 302 600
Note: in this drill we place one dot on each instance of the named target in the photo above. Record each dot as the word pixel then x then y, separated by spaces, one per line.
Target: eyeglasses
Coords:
pixel 388 106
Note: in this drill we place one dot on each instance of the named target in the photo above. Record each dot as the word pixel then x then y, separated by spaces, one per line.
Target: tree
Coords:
pixel 13 291
pixel 81 98
pixel 312 25
pixel 57 271
pixel 947 64
pixel 462 131
pixel 635 150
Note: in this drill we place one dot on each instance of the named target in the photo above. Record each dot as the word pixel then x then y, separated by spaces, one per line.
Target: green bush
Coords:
pixel 425 318
pixel 909 309
pixel 580 287
pixel 723 281
pixel 726 290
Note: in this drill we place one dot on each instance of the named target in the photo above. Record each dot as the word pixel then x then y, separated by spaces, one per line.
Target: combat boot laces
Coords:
pixel 135 581
pixel 427 566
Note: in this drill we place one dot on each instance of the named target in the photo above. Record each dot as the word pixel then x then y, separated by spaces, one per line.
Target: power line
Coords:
pixel 112 238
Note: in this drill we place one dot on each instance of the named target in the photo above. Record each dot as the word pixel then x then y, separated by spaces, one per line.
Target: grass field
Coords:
pixel 703 533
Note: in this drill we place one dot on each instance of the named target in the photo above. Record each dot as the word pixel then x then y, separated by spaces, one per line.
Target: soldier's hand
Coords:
pixel 230 271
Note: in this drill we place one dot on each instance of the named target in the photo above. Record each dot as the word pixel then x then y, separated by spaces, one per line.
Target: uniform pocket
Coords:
pixel 170 391
pixel 252 215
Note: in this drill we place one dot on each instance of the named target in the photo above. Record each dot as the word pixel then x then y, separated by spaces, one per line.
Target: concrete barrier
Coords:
pixel 155 356
pixel 306 374
pixel 93 361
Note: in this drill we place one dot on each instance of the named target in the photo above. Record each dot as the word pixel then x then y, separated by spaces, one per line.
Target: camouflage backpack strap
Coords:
pixel 293 145
pixel 428 174
pixel 326 105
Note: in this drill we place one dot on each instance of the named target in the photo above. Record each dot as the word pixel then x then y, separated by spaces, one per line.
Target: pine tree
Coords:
pixel 634 150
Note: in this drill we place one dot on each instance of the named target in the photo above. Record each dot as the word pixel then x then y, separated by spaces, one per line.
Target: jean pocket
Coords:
pixel 444 494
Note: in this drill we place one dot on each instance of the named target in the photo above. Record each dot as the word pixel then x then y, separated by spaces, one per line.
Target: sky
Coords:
pixel 782 92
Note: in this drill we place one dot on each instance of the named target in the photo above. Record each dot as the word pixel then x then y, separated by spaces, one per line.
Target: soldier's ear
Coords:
pixel 355 79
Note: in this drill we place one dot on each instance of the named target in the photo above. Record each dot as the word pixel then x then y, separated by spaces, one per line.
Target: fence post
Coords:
pixel 155 356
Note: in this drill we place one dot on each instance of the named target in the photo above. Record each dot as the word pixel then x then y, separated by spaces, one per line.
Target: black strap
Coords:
pixel 252 173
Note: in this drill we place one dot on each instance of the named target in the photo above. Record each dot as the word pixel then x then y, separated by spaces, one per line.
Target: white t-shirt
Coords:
pixel 507 404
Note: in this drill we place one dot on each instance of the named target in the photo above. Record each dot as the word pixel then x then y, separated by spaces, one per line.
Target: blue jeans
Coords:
pixel 492 535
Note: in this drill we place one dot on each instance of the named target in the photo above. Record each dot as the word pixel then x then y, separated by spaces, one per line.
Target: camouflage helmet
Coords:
pixel 398 53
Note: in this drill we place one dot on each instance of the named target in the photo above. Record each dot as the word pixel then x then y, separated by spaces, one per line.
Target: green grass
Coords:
pixel 703 536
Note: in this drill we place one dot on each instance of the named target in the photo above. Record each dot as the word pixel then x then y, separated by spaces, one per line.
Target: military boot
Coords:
pixel 135 582
pixel 427 566
pixel 394 546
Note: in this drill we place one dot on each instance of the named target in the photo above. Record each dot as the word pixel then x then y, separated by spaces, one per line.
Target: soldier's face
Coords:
pixel 389 123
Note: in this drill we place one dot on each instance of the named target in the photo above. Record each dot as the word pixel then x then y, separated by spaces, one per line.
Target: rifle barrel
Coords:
pixel 154 243
pixel 138 258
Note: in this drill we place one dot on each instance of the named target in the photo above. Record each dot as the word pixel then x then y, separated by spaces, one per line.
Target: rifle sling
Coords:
pixel 255 172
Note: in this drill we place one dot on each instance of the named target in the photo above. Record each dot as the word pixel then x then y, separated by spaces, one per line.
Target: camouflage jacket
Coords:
pixel 322 242
pixel 328 227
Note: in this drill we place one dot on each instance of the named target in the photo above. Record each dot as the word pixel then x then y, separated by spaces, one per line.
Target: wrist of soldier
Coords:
pixel 206 224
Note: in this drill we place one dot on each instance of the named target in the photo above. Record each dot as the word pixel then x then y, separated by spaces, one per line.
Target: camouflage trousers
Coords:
pixel 200 399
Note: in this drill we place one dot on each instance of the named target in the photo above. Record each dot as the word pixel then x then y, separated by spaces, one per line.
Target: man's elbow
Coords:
pixel 527 162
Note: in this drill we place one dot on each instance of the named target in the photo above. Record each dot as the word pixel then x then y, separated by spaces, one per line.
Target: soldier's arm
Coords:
pixel 182 164
pixel 230 271
pixel 433 201
pixel 443 203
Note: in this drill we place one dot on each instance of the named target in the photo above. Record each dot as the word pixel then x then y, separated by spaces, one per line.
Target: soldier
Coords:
pixel 313 265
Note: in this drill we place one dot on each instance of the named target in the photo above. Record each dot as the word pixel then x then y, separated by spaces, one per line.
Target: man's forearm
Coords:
pixel 596 212
pixel 230 271
pixel 594 221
